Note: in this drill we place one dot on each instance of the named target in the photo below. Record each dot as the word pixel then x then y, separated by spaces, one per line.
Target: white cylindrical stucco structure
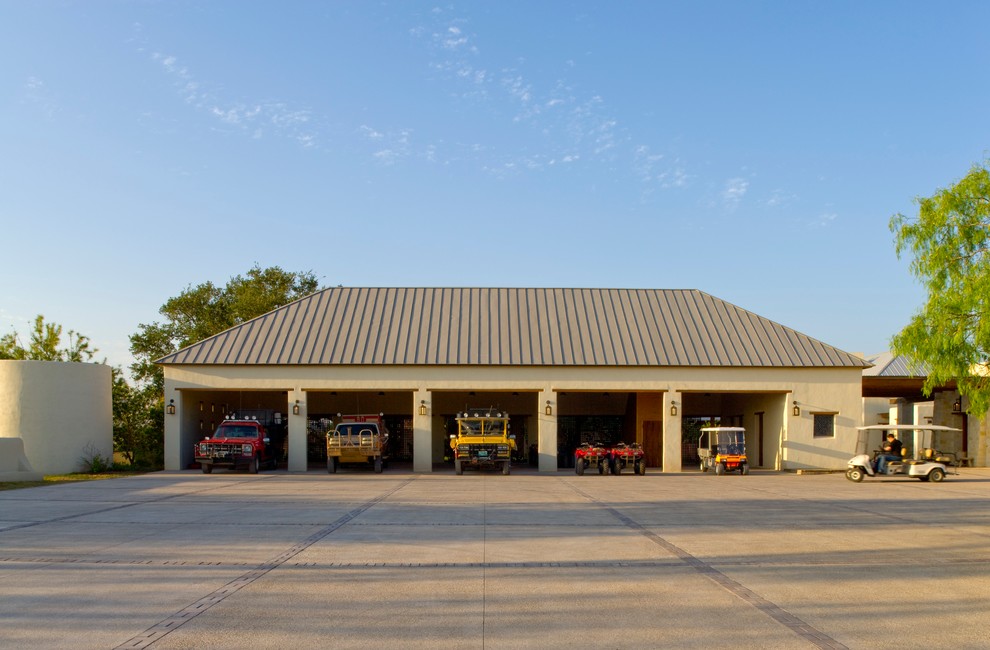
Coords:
pixel 63 412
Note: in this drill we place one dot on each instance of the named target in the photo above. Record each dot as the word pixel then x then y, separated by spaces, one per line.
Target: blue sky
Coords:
pixel 752 150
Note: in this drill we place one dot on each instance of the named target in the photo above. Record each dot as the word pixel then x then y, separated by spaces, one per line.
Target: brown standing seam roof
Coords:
pixel 513 327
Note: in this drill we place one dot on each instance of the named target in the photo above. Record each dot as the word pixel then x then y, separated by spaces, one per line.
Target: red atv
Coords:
pixel 590 455
pixel 623 456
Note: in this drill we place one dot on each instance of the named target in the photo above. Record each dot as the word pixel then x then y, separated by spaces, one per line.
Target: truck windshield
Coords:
pixel 362 428
pixel 235 432
pixel 482 427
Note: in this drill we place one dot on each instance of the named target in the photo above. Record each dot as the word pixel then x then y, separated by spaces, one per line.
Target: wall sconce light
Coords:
pixel 673 407
pixel 796 410
pixel 548 410
pixel 422 407
pixel 170 409
pixel 957 406
pixel 201 406
pixel 295 408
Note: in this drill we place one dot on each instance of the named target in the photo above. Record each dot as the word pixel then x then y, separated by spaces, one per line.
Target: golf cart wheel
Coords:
pixel 719 469
pixel 744 469
pixel 937 475
pixel 704 467
pixel 855 474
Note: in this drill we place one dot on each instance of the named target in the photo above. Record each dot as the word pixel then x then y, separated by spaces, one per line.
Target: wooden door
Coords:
pixel 653 442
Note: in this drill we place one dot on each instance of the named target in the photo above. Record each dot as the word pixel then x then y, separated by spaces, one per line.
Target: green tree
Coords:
pixel 46 344
pixel 205 309
pixel 137 422
pixel 949 242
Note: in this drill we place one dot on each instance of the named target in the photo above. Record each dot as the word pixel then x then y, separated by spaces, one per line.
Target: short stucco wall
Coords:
pixel 60 410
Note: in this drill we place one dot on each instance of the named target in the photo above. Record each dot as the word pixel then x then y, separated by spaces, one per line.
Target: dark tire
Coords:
pixel 855 474
pixel 937 475
pixel 601 468
pixel 207 468
pixel 704 467
pixel 457 467
pixel 616 466
pixel 254 465
pixel 579 466
pixel 378 466
pixel 719 469
pixel 331 464
pixel 744 469
pixel 506 469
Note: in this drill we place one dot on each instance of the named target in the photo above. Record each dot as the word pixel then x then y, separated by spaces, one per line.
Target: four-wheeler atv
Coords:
pixel 723 449
pixel 928 464
pixel 626 456
pixel 591 455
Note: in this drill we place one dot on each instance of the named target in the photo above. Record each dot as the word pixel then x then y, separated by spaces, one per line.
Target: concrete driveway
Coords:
pixel 358 560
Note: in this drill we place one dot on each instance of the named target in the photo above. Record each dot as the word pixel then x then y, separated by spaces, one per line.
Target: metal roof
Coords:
pixel 886 364
pixel 513 327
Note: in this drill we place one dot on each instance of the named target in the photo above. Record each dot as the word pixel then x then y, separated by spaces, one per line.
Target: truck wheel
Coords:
pixel 505 468
pixel 579 467
pixel 207 468
pixel 331 464
pixel 457 467
pixel 378 466
pixel 254 466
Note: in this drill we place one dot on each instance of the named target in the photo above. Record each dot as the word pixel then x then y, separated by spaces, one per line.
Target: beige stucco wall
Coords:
pixel 770 393
pixel 58 409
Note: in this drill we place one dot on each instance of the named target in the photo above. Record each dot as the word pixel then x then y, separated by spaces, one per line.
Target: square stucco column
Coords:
pixel 173 429
pixel 547 431
pixel 423 432
pixel 297 432
pixel 672 434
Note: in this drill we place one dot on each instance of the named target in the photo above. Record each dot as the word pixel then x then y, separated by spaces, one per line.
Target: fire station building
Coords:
pixel 569 365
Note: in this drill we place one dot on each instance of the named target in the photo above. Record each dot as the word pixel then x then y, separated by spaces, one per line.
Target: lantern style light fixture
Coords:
pixel 957 406
pixel 796 410
pixel 422 407
pixel 548 410
pixel 170 409
pixel 673 407
pixel 295 408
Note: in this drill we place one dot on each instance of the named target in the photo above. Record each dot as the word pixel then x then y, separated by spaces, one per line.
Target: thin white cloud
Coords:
pixel 734 191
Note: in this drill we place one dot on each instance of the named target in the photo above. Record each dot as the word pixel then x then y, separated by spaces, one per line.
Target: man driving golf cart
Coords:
pixel 928 464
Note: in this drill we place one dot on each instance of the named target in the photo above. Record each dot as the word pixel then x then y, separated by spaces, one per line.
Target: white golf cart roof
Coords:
pixel 722 429
pixel 906 427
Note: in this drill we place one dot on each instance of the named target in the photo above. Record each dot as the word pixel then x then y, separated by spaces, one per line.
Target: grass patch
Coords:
pixel 55 479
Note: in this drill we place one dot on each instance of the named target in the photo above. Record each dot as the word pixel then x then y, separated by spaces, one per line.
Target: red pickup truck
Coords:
pixel 235 444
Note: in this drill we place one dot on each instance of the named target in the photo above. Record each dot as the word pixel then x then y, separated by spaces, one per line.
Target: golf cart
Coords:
pixel 928 463
pixel 723 449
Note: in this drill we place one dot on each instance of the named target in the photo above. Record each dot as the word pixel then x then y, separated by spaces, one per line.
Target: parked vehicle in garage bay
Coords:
pixel 723 449
pixel 358 439
pixel 482 441
pixel 237 443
